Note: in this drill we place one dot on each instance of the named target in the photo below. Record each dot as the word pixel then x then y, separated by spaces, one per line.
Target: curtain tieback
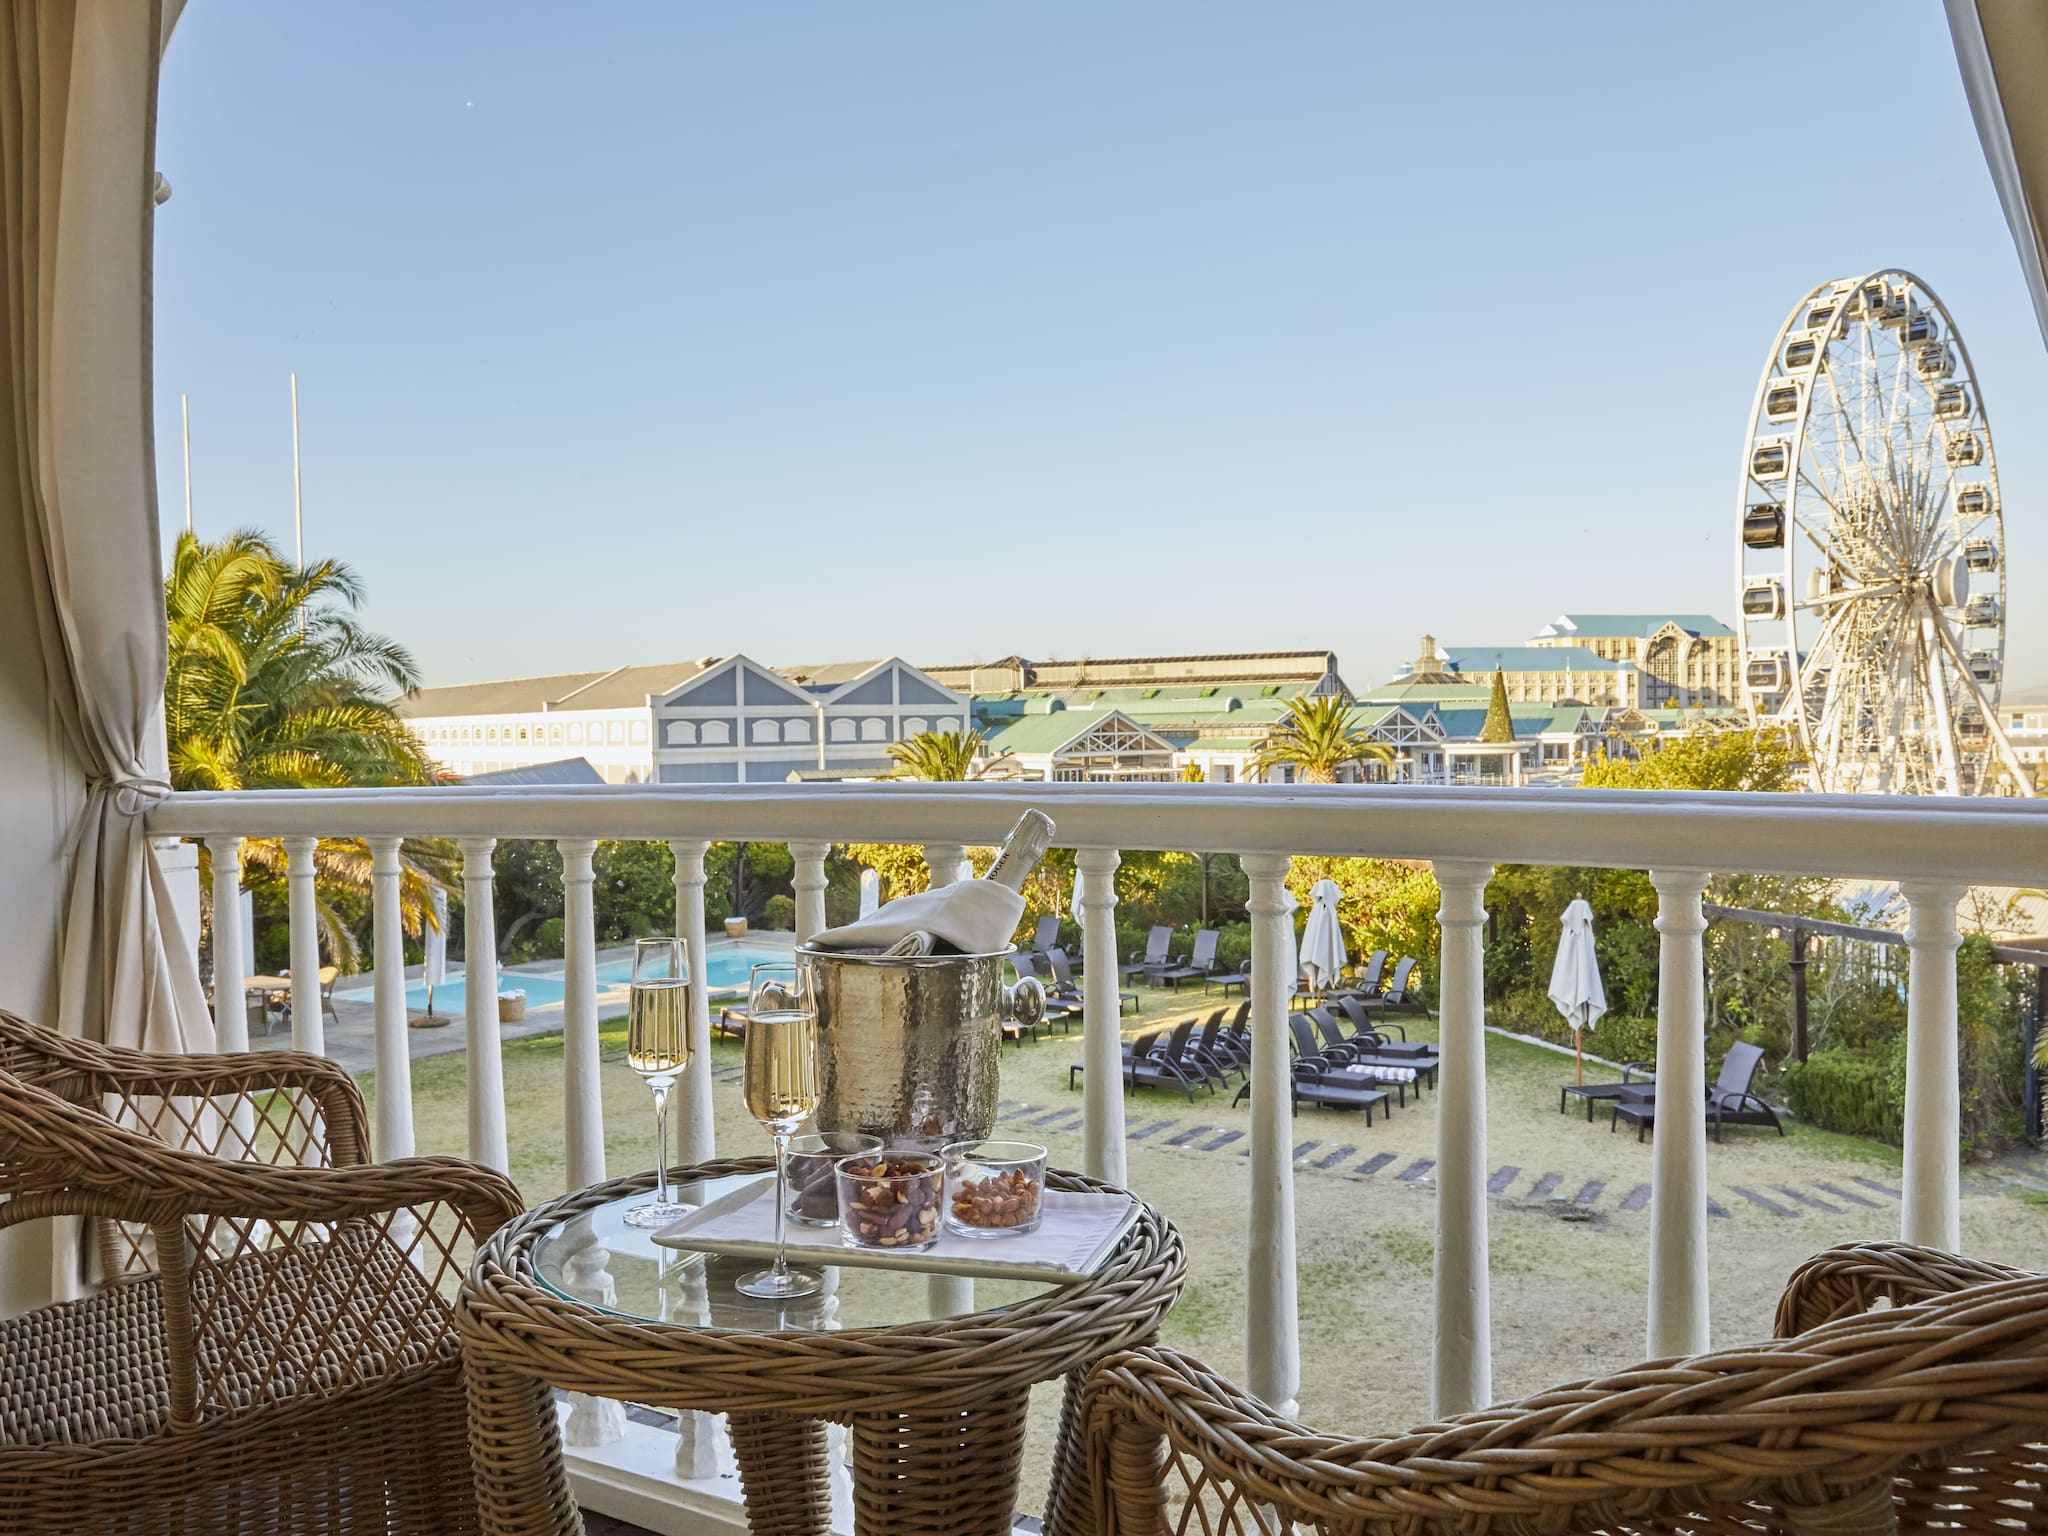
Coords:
pixel 132 794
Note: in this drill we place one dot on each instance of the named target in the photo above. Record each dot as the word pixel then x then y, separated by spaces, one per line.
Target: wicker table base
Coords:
pixel 936 1409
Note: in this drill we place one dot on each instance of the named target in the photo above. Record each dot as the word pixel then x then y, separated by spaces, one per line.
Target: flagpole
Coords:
pixel 185 409
pixel 298 501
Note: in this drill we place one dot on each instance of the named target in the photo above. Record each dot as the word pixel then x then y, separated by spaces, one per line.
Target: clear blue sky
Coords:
pixel 630 332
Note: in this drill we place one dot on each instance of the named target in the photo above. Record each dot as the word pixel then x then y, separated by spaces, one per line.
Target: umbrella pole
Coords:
pixel 1579 1052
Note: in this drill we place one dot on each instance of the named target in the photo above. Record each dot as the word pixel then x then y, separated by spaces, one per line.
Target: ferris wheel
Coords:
pixel 1870 569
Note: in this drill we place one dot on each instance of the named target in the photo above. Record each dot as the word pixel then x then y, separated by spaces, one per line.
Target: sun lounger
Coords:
pixel 1201 962
pixel 1063 978
pixel 1731 1099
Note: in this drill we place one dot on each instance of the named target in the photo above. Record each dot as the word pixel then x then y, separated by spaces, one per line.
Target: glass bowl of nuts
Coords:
pixel 891 1200
pixel 994 1188
pixel 814 1173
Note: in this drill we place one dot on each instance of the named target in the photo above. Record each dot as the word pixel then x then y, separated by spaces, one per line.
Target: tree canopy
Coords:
pixel 1317 737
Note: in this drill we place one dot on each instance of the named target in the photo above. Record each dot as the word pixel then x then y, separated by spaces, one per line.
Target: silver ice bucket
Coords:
pixel 910 1046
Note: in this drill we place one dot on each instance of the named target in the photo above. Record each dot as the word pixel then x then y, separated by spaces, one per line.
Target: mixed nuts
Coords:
pixel 1002 1200
pixel 891 1201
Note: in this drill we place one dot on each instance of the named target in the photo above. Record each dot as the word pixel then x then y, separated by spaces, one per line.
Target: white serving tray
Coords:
pixel 1075 1235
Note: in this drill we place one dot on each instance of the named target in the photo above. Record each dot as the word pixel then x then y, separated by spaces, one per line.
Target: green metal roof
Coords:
pixel 1635 626
pixel 1473 660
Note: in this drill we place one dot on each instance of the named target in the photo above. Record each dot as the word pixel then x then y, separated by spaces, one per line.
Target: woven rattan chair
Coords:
pixel 274 1352
pixel 1929 1415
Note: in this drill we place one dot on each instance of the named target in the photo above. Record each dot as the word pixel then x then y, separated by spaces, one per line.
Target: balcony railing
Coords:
pixel 1933 848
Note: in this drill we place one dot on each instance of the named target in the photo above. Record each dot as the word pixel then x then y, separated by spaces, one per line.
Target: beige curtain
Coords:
pixel 2002 46
pixel 77 142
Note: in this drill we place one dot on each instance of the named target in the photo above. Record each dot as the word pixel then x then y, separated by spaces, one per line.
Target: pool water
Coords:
pixel 725 967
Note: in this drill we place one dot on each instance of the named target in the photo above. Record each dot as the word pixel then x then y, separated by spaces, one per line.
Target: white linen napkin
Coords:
pixel 977 917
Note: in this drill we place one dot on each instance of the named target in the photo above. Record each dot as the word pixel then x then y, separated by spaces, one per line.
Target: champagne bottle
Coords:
pixel 1029 842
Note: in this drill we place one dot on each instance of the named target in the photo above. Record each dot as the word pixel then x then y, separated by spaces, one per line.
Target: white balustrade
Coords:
pixel 230 993
pixel 308 1027
pixel 480 995
pixel 943 859
pixel 1462 1358
pixel 1272 1328
pixel 1933 1084
pixel 1930 846
pixel 394 1134
pixel 582 1090
pixel 808 878
pixel 1678 1164
pixel 1102 1154
pixel 696 1133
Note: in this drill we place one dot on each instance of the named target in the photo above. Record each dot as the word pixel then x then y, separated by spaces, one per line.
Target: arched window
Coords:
pixel 796 730
pixel 714 733
pixel 842 730
pixel 874 730
pixel 764 731
pixel 947 725
pixel 914 726
pixel 681 733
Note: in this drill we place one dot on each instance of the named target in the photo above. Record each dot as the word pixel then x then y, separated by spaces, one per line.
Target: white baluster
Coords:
pixel 1101 1030
pixel 593 1421
pixel 1679 1324
pixel 394 1057
pixel 1463 1354
pixel 582 1091
pixel 1933 1084
pixel 480 994
pixel 809 881
pixel 1272 1328
pixel 697 1138
pixel 944 860
pixel 309 1031
pixel 230 995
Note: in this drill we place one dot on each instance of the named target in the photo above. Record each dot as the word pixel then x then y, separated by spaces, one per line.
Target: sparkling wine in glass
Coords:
pixel 781 1093
pixel 658 1047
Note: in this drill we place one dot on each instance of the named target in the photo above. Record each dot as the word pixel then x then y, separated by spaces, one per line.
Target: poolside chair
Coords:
pixel 1324 1083
pixel 1597 1093
pixel 1163 1067
pixel 1730 1098
pixel 1156 946
pixel 1200 962
pixel 1342 1057
pixel 1212 1052
pixel 1374 1027
pixel 1367 980
pixel 1045 935
pixel 328 974
pixel 1063 979
pixel 1930 1416
pixel 1399 995
pixel 1133 1050
pixel 1234 1040
pixel 1241 978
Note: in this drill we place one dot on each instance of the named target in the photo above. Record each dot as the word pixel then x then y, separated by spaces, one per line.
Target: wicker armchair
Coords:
pixel 274 1351
pixel 1928 1415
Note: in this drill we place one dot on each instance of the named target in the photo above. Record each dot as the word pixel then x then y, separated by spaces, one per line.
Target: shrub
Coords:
pixel 1848 1091
pixel 778 914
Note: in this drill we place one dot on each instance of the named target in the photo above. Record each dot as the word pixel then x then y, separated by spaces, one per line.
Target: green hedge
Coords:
pixel 1849 1092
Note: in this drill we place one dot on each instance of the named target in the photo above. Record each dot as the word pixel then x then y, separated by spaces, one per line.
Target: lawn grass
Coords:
pixel 1569 1282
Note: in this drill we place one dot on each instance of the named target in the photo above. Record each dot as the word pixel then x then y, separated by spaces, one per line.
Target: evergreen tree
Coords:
pixel 1500 725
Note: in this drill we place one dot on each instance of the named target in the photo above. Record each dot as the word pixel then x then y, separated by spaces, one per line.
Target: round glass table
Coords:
pixel 930 1376
pixel 596 1258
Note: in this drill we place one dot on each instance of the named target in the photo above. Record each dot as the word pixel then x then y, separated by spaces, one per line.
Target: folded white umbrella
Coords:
pixel 1322 938
pixel 870 892
pixel 248 933
pixel 1575 978
pixel 435 972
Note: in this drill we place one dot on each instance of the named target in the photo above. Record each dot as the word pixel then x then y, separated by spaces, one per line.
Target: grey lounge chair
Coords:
pixel 1133 1050
pixel 1063 979
pixel 1158 945
pixel 1201 962
pixel 1731 1100
pixel 1045 935
pixel 1164 1067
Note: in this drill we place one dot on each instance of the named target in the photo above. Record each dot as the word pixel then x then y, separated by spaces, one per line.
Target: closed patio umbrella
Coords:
pixel 436 969
pixel 1575 978
pixel 870 892
pixel 1322 939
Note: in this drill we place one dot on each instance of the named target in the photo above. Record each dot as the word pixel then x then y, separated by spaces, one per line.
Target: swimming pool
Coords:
pixel 725 967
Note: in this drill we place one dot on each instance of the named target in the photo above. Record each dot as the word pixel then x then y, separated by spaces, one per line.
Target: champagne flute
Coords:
pixel 782 1092
pixel 658 1047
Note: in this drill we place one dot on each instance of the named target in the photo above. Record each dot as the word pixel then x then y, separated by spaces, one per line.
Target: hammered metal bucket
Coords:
pixel 910 1047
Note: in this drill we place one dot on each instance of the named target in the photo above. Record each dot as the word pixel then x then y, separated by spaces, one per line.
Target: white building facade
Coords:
pixel 728 720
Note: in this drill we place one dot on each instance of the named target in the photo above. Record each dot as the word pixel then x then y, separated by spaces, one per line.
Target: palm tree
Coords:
pixel 938 757
pixel 273 684
pixel 1316 737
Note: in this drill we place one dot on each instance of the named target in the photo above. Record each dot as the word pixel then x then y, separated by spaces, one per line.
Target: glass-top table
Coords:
pixel 596 1259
